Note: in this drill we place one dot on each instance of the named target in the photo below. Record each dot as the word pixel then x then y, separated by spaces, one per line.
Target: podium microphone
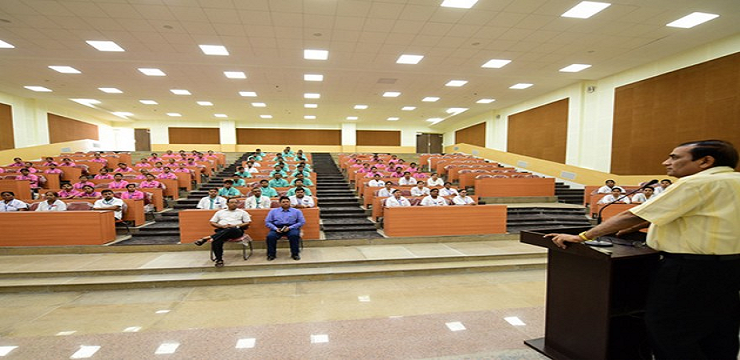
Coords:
pixel 650 183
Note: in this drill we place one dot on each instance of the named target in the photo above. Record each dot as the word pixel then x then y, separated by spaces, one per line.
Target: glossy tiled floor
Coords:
pixel 482 315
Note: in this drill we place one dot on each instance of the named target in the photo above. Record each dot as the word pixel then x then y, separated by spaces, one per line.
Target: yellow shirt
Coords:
pixel 699 214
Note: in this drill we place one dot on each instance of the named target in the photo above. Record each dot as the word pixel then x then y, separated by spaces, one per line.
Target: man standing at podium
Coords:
pixel 693 306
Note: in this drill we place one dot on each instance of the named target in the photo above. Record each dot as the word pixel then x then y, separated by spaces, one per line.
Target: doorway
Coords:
pixel 429 143
pixel 143 140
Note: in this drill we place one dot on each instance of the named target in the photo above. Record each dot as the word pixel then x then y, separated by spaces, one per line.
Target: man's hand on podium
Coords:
pixel 561 239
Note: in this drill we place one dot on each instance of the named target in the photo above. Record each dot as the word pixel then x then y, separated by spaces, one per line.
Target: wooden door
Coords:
pixel 428 143
pixel 143 140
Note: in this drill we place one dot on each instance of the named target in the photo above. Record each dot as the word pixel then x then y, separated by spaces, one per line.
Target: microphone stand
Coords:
pixel 596 242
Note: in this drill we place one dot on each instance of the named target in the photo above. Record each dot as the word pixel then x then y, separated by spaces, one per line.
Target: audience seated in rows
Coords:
pixel 607 188
pixel 615 197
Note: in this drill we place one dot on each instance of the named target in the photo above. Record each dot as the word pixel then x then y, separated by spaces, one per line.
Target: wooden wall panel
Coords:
pixel 540 132
pixel 63 129
pixel 473 135
pixel 652 116
pixel 183 135
pixel 288 137
pixel 378 138
pixel 7 139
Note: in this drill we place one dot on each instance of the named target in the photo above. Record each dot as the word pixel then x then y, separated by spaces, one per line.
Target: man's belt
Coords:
pixel 701 257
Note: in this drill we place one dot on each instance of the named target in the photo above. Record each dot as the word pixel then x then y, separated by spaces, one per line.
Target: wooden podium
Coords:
pixel 595 299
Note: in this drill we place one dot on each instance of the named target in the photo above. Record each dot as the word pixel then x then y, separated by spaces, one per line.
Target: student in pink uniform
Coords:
pixel 26 175
pixel 151 182
pixel 169 154
pixel 132 193
pixel 154 158
pixel 103 174
pixel 142 174
pixel 143 163
pixel 17 162
pixel 84 180
pixel 123 168
pixel 98 159
pixel 88 192
pixel 53 169
pixel 49 161
pixel 167 174
pixel 67 162
pixel 29 166
pixel 68 192
pixel 118 182
pixel 157 167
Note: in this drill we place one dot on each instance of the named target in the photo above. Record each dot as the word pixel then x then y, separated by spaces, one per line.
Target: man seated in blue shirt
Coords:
pixel 228 191
pixel 278 181
pixel 284 221
pixel 267 190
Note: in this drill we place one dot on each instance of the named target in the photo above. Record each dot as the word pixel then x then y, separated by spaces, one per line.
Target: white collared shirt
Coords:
pixel 118 214
pixel 610 198
pixel 415 191
pixel 393 202
pixel 264 202
pixel 409 181
pixel 459 200
pixel 58 205
pixel 306 201
pixel 447 192
pixel 438 182
pixel 13 205
pixel 218 202
pixel 429 201
pixel 231 217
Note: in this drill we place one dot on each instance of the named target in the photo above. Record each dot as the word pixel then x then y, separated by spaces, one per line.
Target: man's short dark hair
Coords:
pixel 283 197
pixel 229 181
pixel 609 181
pixel 7 192
pixel 107 191
pixel 723 152
pixel 264 181
pixel 668 180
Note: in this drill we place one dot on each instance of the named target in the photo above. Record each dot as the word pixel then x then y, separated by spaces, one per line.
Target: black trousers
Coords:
pixel 693 308
pixel 220 237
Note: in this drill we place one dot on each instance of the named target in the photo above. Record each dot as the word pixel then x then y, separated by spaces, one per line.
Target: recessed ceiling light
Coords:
pixel 309 117
pixel 351 117
pixel 148 102
pixel 64 69
pixel 408 108
pixel 266 116
pixel 311 96
pixel 313 77
pixel 180 92
pixel 520 86
pixel 248 93
pixel 152 72
pixel 360 107
pixel 220 115
pixel 309 54
pixel 430 99
pixel 692 20
pixel 460 4
pixel 204 103
pixel 259 104
pixel 174 114
pixel 393 118
pixel 391 94
pixel 495 63
pixel 110 90
pixel 435 120
pixel 310 106
pixel 105 45
pixel 485 101
pixel 409 59
pixel 456 83
pixel 4 45
pixel 575 68
pixel 86 102
pixel 235 74
pixel 122 114
pixel 585 9
pixel 455 111
pixel 214 50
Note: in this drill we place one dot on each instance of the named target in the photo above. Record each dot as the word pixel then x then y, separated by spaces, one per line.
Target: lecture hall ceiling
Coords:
pixel 266 40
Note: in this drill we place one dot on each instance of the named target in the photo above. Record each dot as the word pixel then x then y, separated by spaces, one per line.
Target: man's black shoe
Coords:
pixel 270 258
pixel 296 257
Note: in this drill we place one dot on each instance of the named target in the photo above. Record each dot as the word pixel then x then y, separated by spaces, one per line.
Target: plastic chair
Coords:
pixel 246 242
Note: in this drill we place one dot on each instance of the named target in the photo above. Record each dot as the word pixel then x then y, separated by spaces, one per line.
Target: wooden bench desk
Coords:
pixel 26 228
pixel 21 188
pixel 494 187
pixel 379 201
pixel 444 220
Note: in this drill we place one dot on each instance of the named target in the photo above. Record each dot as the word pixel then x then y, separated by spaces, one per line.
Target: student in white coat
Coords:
pixel 433 199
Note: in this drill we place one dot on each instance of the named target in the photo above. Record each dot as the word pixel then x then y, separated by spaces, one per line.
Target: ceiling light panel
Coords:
pixel 309 117
pixel 460 4
pixel 585 9
pixel 180 92
pixel 408 108
pixel 108 90
pixel 148 102
pixel 575 67
pixel 312 96
pixel 430 99
pixel 174 114
pixel 248 93
pixel 310 106
pixel 259 104
pixel 692 20
pixel 391 94
pixel 5 45
pixel 105 45
pixel 495 63
pixel 266 116
pixel 220 115
pixel 456 83
pixel 152 72
pixel 352 118
pixel 392 118
pixel 485 101
pixel 235 74
pixel 122 114
pixel 310 54
pixel 520 86
pixel 204 103
pixel 216 50
pixel 360 107
pixel 409 59
pixel 86 102
pixel 65 69
pixel 313 77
